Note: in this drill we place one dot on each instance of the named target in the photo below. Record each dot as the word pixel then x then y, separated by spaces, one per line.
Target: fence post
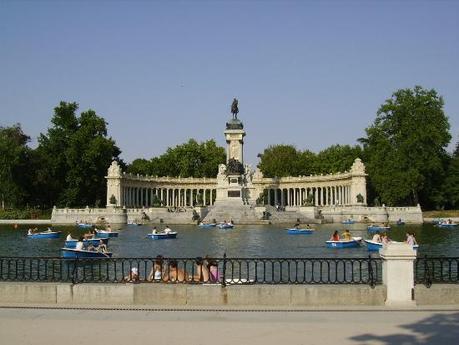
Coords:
pixel 224 270
pixel 398 273
pixel 371 275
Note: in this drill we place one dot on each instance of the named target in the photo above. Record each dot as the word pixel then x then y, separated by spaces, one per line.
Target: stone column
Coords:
pixel 316 199
pixel 398 273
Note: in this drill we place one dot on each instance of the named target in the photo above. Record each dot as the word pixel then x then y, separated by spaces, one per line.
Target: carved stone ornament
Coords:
pixel 114 170
pixel 358 167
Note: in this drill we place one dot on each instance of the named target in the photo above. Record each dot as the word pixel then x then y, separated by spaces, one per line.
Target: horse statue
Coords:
pixel 234 108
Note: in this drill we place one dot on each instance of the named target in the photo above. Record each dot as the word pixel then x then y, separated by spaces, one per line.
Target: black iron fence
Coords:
pixel 224 271
pixel 430 270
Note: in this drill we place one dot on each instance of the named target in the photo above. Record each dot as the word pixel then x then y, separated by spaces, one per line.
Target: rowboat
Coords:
pixel 295 231
pixel 93 241
pixel 207 225
pixel 400 222
pixel 225 226
pixel 106 234
pixel 447 225
pixel 163 235
pixel 377 228
pixel 70 253
pixel 375 246
pixel 84 225
pixel 355 242
pixel 45 234
pixel 348 221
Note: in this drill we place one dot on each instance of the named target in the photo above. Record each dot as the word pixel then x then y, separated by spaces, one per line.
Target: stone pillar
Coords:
pixel 398 273
pixel 316 199
pixel 114 183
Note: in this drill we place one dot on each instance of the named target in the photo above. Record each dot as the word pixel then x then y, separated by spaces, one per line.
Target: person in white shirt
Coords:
pixel 79 244
pixel 69 237
pixel 377 238
pixel 167 229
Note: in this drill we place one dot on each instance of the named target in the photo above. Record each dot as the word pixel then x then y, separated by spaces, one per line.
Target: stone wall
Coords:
pixel 90 215
pixel 191 295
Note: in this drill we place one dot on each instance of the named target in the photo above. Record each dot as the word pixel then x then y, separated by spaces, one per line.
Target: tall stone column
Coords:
pixel 358 183
pixel 114 184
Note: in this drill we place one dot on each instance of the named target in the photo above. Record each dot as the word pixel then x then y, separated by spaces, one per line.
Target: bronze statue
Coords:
pixel 234 109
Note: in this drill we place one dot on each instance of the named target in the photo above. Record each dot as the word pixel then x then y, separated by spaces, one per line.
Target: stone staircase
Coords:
pixel 239 214
pixel 288 217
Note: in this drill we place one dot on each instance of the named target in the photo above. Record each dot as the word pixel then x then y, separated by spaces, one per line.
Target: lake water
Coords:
pixel 242 241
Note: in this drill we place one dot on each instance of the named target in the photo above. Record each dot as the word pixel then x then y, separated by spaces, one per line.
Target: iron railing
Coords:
pixel 429 270
pixel 224 270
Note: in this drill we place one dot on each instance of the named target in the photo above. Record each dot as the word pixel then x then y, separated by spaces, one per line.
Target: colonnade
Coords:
pixel 167 196
pixel 300 196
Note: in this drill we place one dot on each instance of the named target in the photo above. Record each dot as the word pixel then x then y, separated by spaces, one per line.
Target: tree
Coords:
pixel 74 155
pixel 337 158
pixel 191 159
pixel 14 160
pixel 451 185
pixel 405 147
pixel 279 161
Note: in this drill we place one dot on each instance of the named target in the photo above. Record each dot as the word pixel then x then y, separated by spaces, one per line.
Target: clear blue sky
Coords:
pixel 310 74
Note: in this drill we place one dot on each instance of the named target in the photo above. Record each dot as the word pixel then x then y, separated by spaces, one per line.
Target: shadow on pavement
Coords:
pixel 437 329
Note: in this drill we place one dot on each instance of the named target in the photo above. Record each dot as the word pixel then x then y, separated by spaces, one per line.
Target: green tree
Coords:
pixel 280 161
pixel 405 147
pixel 191 159
pixel 14 160
pixel 451 185
pixel 74 156
pixel 337 158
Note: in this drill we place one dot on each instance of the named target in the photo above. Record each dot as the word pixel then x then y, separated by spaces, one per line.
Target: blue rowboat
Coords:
pixel 295 231
pixel 106 234
pixel 93 241
pixel 355 242
pixel 163 235
pixel 375 246
pixel 348 221
pixel 84 225
pixel 45 234
pixel 69 253
pixel 225 226
pixel 205 226
pixel 376 228
pixel 446 225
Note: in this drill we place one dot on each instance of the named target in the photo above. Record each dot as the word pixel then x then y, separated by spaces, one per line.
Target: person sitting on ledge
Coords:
pixel 156 273
pixel 133 276
pixel 347 235
pixel 385 239
pixel 214 274
pixel 335 236
pixel 202 272
pixel 410 239
pixel 175 274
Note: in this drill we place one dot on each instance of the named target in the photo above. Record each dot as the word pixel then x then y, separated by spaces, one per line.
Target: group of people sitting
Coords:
pixel 381 238
pixel 345 236
pixel 204 270
pixel 101 247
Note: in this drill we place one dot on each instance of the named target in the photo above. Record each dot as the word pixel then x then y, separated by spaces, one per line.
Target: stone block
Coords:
pixel 160 294
pixel 98 294
pixel 206 295
pixel 28 292
pixel 258 295
pixel 437 294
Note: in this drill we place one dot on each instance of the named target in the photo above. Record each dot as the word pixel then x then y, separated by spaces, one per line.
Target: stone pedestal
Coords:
pixel 398 273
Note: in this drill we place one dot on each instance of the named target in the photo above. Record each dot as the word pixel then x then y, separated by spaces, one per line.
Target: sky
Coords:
pixel 307 73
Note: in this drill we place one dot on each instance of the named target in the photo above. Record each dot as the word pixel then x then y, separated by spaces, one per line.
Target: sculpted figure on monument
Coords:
pixel 114 169
pixel 234 108
pixel 234 167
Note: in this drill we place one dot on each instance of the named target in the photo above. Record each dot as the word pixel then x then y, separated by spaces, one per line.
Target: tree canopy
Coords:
pixel 191 159
pixel 405 147
pixel 73 158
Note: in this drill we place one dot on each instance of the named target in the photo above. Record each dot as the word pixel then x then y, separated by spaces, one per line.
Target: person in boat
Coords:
pixel 30 231
pixel 174 273
pixel 49 230
pixel 335 236
pixel 410 239
pixel 102 247
pixel 202 271
pixel 154 231
pixel 296 226
pixel 347 235
pixel 385 239
pixel 79 245
pixel 167 230
pixel 108 228
pixel 156 273
pixel 377 237
pixel 88 235
pixel 133 276
pixel 231 222
pixel 69 237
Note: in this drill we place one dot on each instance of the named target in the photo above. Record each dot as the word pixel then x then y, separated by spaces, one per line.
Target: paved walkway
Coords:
pixel 20 326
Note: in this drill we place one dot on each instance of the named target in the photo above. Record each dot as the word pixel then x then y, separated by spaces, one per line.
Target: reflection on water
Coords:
pixel 242 241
